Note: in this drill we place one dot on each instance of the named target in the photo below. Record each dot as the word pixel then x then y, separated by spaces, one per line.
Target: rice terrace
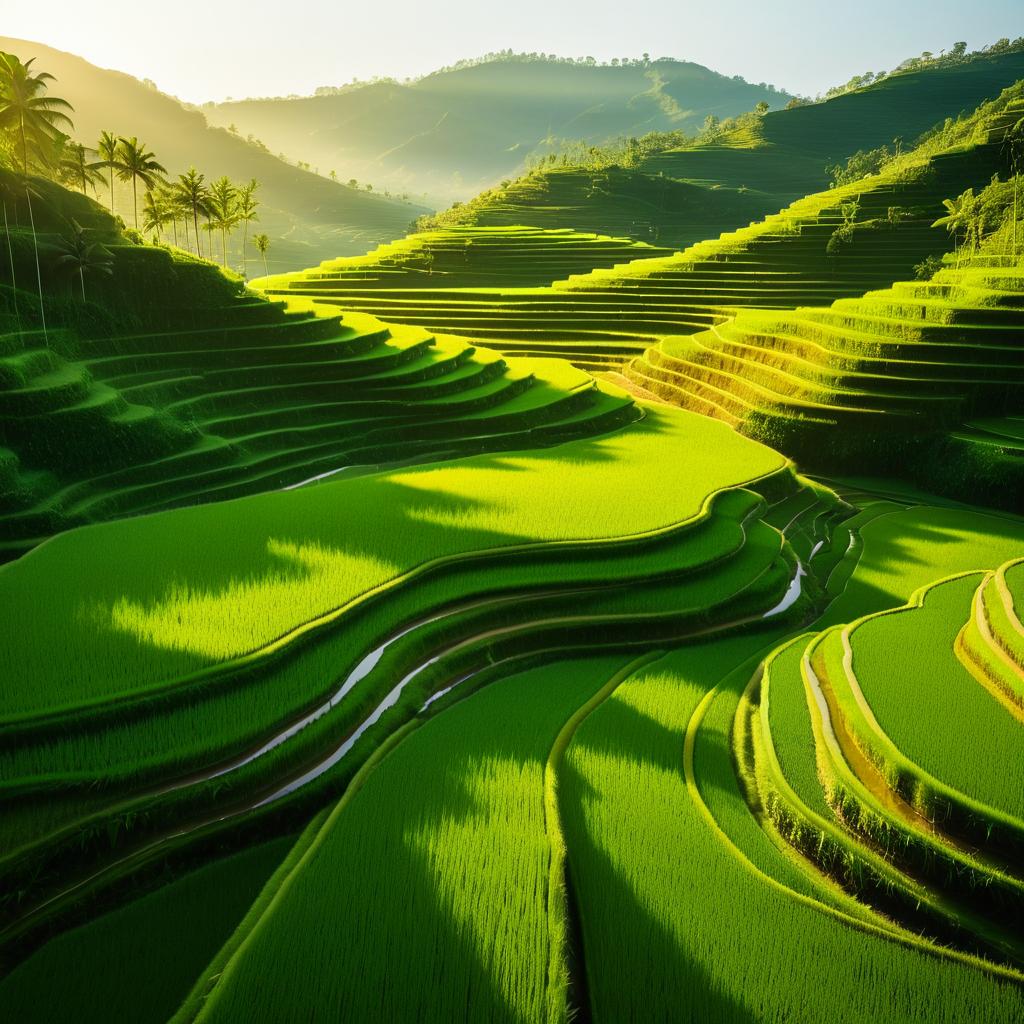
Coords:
pixel 509 537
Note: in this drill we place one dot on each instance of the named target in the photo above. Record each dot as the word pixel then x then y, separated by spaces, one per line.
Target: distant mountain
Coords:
pixel 456 131
pixel 308 217
pixel 679 196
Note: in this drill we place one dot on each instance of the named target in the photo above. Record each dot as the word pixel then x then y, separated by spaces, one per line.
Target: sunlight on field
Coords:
pixel 246 613
pixel 599 601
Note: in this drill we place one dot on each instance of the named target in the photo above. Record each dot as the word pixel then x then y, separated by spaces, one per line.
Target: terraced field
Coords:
pixel 929 373
pixel 888 736
pixel 467 257
pixel 991 643
pixel 458 295
pixel 647 207
pixel 102 773
pixel 239 395
pixel 364 659
pixel 599 319
pixel 148 763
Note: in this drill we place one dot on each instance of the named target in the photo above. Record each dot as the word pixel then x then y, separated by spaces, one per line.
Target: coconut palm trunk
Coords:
pixel 14 280
pixel 39 272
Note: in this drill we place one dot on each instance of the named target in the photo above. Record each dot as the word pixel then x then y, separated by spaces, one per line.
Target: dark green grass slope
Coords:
pixel 138 962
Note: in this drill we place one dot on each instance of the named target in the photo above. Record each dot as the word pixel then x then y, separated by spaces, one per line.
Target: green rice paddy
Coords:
pixel 453 633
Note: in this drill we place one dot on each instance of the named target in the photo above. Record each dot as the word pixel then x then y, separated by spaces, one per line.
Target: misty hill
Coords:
pixel 458 130
pixel 680 196
pixel 308 217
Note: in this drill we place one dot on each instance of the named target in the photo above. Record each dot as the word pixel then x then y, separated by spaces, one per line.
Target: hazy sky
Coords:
pixel 213 49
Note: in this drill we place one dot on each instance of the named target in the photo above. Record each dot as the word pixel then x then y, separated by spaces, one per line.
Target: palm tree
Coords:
pixel 74 167
pixel 168 199
pixel 223 211
pixel 155 213
pixel 262 243
pixel 23 107
pixel 961 216
pixel 107 149
pixel 246 212
pixel 34 117
pixel 192 192
pixel 208 227
pixel 135 163
pixel 81 256
pixel 182 209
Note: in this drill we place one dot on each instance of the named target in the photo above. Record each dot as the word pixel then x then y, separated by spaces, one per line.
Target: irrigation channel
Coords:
pixel 537 635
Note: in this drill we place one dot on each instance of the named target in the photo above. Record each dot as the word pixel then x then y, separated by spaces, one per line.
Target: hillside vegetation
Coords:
pixel 919 375
pixel 309 216
pixel 789 153
pixel 652 208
